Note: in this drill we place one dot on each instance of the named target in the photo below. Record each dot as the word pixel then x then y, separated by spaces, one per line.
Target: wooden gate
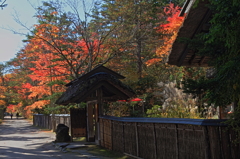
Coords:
pixel 78 122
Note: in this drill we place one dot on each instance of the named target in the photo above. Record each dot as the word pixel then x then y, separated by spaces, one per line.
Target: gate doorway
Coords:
pixel 85 123
pixel 78 122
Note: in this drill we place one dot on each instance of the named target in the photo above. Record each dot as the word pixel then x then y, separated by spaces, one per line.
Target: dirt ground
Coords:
pixel 20 140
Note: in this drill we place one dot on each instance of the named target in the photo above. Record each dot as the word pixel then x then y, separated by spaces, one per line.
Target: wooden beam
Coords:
pixel 107 85
pixel 112 98
pixel 183 56
pixel 137 142
pixel 202 60
pixel 177 144
pixel 192 58
pixel 198 30
pixel 115 90
pixel 99 101
pixel 98 112
pixel 90 129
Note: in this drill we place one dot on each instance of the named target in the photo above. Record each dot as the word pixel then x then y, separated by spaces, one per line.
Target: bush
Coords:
pixel 171 112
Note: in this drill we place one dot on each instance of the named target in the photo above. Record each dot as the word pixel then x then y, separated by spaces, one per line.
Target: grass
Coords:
pixel 99 151
pixel 79 139
pixel 44 129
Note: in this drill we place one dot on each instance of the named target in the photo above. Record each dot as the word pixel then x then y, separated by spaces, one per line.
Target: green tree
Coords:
pixel 134 35
pixel 16 76
pixel 222 44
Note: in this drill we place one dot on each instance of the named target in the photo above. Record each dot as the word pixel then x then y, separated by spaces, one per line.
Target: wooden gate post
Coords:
pixel 90 126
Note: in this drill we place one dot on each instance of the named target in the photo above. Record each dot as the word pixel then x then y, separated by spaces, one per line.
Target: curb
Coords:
pixel 67 147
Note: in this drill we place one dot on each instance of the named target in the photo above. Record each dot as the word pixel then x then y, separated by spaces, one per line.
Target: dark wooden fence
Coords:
pixel 45 121
pixel 1 113
pixel 159 138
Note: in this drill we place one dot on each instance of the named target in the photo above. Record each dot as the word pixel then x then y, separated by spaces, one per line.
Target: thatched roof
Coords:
pixel 99 68
pixel 84 89
pixel 196 21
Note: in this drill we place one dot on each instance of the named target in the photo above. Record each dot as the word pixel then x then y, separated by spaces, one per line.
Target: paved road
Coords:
pixel 20 140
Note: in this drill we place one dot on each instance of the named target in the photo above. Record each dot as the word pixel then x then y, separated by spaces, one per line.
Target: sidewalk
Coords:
pixel 20 140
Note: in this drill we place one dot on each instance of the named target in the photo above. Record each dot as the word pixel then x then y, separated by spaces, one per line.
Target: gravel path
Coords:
pixel 20 140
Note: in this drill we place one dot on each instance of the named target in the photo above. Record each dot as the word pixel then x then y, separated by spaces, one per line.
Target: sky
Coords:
pixel 11 43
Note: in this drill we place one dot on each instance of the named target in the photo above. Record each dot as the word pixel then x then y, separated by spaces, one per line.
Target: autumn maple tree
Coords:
pixel 63 46
pixel 158 66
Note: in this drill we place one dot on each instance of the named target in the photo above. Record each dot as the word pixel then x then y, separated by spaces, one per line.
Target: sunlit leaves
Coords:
pixel 170 29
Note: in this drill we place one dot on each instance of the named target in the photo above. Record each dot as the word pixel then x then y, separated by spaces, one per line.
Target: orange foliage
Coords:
pixel 23 90
pixel 37 104
pixel 14 108
pixel 53 57
pixel 2 102
pixel 54 13
pixel 11 108
pixel 39 91
pixel 170 30
pixel 3 89
pixel 152 61
pixel 27 86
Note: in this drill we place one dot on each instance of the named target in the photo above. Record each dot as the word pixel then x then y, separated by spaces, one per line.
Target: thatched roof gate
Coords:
pixel 96 87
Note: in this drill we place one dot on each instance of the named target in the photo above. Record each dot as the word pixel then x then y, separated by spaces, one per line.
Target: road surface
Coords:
pixel 20 140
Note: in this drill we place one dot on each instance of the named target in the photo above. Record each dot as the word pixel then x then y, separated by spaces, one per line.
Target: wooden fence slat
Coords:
pixel 101 132
pixel 45 121
pixel 146 140
pixel 117 136
pixel 177 140
pixel 207 144
pixel 165 138
pixel 155 142
pixel 106 134
pixel 191 144
pixel 235 148
pixel 214 136
pixel 130 138
pixel 225 142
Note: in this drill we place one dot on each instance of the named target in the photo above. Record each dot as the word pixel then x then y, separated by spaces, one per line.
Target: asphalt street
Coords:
pixel 20 140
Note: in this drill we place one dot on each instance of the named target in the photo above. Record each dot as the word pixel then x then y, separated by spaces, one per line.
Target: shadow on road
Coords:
pixel 13 126
pixel 42 152
pixel 20 140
